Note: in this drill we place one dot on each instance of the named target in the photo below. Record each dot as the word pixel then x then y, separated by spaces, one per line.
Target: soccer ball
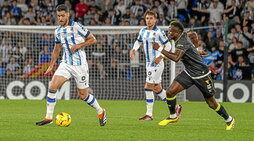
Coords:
pixel 63 119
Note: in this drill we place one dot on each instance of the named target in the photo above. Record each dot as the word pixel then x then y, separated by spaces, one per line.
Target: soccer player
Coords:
pixel 195 73
pixel 73 38
pixel 154 61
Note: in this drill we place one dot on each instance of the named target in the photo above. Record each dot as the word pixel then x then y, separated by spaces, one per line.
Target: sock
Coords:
pixel 222 112
pixel 91 100
pixel 171 106
pixel 149 102
pixel 51 102
pixel 162 95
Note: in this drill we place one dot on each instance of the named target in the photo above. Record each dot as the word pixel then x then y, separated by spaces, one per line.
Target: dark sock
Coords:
pixel 171 104
pixel 222 112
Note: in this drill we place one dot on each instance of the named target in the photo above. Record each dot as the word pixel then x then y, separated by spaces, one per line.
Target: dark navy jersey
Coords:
pixel 191 58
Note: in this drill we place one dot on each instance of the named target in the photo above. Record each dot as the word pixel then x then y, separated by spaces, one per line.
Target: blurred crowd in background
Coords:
pixel 17 59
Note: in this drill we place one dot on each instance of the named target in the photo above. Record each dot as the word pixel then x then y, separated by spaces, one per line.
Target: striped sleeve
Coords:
pixel 140 35
pixel 57 37
pixel 82 31
pixel 162 37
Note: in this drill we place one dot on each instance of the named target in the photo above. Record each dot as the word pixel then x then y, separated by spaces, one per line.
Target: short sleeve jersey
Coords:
pixel 191 58
pixel 148 37
pixel 68 36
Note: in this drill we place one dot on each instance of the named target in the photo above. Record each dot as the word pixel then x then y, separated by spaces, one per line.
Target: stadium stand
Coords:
pixel 16 61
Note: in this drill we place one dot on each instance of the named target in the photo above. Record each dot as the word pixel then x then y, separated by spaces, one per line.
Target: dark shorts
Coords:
pixel 205 84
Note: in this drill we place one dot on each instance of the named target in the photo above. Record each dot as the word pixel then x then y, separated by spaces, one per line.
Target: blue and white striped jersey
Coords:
pixel 148 37
pixel 68 36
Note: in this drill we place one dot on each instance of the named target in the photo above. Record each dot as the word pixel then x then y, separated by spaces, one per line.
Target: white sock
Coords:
pixel 162 95
pixel 51 102
pixel 229 119
pixel 91 100
pixel 149 102
pixel 172 116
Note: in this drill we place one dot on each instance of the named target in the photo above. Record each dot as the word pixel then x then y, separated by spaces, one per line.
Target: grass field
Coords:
pixel 198 122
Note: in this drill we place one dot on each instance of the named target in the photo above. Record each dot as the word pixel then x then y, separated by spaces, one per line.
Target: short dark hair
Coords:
pixel 150 12
pixel 62 7
pixel 177 25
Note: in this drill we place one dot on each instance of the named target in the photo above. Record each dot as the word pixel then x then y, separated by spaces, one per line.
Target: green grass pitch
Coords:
pixel 198 122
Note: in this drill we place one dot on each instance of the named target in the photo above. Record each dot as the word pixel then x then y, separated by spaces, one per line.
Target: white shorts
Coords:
pixel 153 74
pixel 80 74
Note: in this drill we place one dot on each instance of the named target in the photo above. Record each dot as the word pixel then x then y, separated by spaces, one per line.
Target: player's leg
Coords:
pixel 91 101
pixel 160 92
pixel 81 77
pixel 149 101
pixel 181 82
pixel 206 86
pixel 55 84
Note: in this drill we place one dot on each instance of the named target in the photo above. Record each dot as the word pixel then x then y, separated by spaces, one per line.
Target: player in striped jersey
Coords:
pixel 72 37
pixel 154 60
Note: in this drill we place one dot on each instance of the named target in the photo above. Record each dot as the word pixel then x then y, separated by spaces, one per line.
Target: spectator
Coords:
pixel 18 56
pixel 215 11
pixel 5 8
pixel 25 21
pixel 28 65
pixel 5 50
pixel 171 10
pixel 136 6
pixel 232 34
pixel 211 41
pixel 93 6
pixel 233 44
pixel 16 11
pixel 182 7
pixel 99 58
pixel 202 4
pixel 8 19
pixel 13 68
pixel 250 5
pixel 44 55
pixel 162 20
pixel 121 7
pixel 23 6
pixel 133 20
pixel 30 15
pixel 243 69
pixel 81 9
pixel 239 51
pixel 235 9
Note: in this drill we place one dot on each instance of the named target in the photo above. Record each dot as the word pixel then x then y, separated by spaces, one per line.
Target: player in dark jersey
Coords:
pixel 195 73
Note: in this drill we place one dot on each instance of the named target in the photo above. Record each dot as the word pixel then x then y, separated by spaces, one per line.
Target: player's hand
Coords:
pixel 75 47
pixel 132 54
pixel 155 46
pixel 202 53
pixel 49 70
pixel 157 60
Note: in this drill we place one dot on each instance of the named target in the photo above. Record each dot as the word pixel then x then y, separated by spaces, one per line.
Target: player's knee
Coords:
pixel 83 96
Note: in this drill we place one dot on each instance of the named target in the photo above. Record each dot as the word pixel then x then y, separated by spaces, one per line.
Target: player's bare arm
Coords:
pixel 172 56
pixel 90 40
pixel 132 54
pixel 54 56
pixel 157 60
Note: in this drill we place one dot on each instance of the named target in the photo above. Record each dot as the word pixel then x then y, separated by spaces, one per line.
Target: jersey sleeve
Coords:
pixel 162 37
pixel 183 46
pixel 57 37
pixel 140 35
pixel 82 31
